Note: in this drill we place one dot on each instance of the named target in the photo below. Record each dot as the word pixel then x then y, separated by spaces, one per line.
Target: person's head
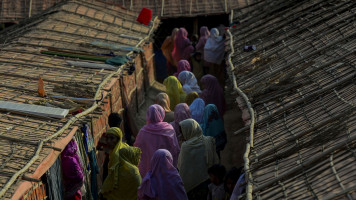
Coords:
pixel 183 65
pixel 231 178
pixel 131 155
pixel 191 97
pixel 217 173
pixel 174 32
pixel 162 99
pixel 197 56
pixel 194 38
pixel 182 112
pixel 190 129
pixel 155 114
pixel 214 32
pixel 114 120
pixel 209 81
pixel 113 136
pixel 204 31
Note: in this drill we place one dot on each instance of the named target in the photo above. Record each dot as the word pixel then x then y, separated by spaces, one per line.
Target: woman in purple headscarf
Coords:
pixel 156 134
pixel 182 46
pixel 181 112
pixel 73 177
pixel 162 180
pixel 183 65
pixel 204 35
pixel 213 93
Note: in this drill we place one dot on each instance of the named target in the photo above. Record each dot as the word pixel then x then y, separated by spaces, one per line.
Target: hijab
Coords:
pixel 204 35
pixel 191 97
pixel 168 46
pixel 156 134
pixel 181 112
pixel 189 82
pixel 73 177
pixel 197 155
pixel 162 180
pixel 182 46
pixel 162 99
pixel 174 91
pixel 114 159
pixel 214 49
pixel 212 124
pixel 127 176
pixel 183 65
pixel 197 110
pixel 213 93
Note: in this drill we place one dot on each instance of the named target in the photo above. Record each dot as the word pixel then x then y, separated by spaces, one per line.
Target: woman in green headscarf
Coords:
pixel 174 91
pixel 114 144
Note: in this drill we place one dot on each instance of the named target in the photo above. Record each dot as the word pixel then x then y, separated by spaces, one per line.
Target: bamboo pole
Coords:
pixel 249 145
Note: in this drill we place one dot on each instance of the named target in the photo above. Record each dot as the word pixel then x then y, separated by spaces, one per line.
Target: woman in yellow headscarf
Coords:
pixel 162 99
pixel 126 177
pixel 191 97
pixel 114 144
pixel 174 91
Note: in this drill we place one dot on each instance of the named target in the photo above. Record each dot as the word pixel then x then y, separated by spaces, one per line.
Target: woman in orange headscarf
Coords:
pixel 167 48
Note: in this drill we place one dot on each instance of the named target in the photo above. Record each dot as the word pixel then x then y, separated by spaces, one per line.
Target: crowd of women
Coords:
pixel 176 155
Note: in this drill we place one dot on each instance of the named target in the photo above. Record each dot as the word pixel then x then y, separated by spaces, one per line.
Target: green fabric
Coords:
pixel 117 60
pixel 69 55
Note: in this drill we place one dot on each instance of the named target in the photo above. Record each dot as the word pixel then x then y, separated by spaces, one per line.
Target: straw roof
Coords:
pixel 299 86
pixel 71 26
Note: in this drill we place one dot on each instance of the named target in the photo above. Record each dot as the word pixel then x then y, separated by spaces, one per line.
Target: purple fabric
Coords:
pixel 181 112
pixel 213 93
pixel 182 46
pixel 156 135
pixel 183 65
pixel 204 35
pixel 73 177
pixel 162 182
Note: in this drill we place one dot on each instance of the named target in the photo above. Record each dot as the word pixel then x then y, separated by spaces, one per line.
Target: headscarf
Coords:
pixel 163 180
pixel 212 124
pixel 214 48
pixel 213 93
pixel 197 155
pixel 114 159
pixel 162 99
pixel 182 46
pixel 239 187
pixel 183 65
pixel 73 177
pixel 204 35
pixel 197 110
pixel 189 82
pixel 181 112
pixel 191 97
pixel 174 91
pixel 127 178
pixel 168 46
pixel 156 135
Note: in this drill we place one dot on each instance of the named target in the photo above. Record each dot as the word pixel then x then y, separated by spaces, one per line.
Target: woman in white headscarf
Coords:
pixel 214 51
pixel 196 156
pixel 189 82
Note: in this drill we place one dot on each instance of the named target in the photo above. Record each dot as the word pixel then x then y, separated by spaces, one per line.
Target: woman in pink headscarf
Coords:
pixel 182 46
pixel 73 177
pixel 213 93
pixel 162 181
pixel 183 65
pixel 156 134
pixel 204 35
pixel 181 112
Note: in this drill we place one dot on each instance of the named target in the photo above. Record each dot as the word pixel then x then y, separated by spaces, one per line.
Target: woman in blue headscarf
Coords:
pixel 213 126
pixel 197 110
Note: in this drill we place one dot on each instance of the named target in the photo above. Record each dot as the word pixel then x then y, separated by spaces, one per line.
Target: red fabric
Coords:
pixel 145 16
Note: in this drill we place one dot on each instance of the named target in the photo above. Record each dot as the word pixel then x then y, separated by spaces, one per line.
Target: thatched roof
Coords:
pixel 71 26
pixel 183 8
pixel 300 82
